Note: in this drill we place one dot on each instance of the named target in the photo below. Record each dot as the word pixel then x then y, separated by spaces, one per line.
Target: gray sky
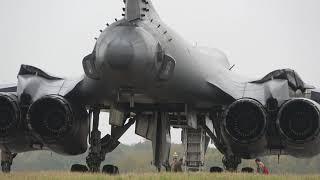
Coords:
pixel 257 35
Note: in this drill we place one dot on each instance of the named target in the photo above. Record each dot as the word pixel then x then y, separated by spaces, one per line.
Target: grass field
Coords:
pixel 161 176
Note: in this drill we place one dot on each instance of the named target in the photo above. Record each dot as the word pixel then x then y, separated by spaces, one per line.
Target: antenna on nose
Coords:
pixel 232 67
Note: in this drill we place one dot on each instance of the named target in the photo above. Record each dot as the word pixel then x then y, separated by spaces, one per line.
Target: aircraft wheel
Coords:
pixel 247 170
pixel 6 167
pixel 110 170
pixel 216 169
pixel 79 168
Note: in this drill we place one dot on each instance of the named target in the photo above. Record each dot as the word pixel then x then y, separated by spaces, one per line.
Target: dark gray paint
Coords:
pixel 126 62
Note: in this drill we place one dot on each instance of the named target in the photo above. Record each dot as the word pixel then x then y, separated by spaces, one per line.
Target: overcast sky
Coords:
pixel 257 35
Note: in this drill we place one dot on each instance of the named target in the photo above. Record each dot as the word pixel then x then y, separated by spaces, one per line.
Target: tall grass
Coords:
pixel 147 176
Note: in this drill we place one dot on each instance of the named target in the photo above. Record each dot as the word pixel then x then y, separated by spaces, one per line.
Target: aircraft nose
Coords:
pixel 128 56
pixel 119 54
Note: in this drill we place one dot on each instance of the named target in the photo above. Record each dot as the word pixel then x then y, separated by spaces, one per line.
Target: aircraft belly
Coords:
pixel 199 94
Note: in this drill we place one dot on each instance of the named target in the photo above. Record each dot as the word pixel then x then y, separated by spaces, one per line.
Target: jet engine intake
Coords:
pixel 298 120
pixel 9 115
pixel 62 125
pixel 246 121
pixel 244 128
pixel 51 117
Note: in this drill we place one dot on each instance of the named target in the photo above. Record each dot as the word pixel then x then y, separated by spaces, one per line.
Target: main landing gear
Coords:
pixel 231 163
pixel 95 156
pixel 99 147
pixel 6 160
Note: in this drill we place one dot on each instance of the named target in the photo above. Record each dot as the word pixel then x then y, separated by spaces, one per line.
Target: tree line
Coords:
pixel 138 158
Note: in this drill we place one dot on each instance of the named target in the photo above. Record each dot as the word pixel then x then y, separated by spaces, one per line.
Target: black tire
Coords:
pixel 247 170
pixel 110 170
pixel 216 169
pixel 79 168
pixel 5 167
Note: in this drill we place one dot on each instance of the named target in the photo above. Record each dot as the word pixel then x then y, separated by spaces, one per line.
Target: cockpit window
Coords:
pixel 167 68
pixel 160 56
pixel 89 67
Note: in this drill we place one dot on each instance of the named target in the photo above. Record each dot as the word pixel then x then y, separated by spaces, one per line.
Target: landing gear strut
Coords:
pixel 6 160
pixel 95 156
pixel 231 163
pixel 99 147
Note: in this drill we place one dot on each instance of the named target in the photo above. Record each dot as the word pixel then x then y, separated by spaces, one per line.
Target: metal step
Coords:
pixel 194 141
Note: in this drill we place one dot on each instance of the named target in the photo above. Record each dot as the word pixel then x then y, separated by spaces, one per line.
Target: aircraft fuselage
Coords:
pixel 131 60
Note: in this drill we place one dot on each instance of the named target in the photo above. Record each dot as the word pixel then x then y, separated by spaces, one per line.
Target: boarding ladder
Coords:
pixel 194 141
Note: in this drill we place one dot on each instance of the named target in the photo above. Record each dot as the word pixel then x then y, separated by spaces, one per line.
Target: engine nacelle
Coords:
pixel 244 127
pixel 9 116
pixel 14 134
pixel 63 126
pixel 299 126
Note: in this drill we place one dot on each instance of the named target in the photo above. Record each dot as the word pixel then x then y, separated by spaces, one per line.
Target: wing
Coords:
pixel 280 84
pixel 8 88
pixel 294 80
pixel 36 83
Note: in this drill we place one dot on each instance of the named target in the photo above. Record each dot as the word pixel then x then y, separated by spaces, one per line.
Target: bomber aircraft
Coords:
pixel 145 74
